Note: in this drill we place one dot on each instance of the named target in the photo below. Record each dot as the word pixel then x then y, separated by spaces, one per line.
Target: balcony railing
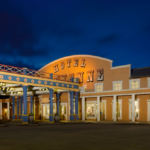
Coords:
pixel 29 72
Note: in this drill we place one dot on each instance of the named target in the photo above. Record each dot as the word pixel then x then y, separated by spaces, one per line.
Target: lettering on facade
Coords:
pixel 62 65
pixel 76 62
pixel 90 76
pixel 100 76
pixel 83 63
pixel 56 68
pixel 80 76
pixel 68 62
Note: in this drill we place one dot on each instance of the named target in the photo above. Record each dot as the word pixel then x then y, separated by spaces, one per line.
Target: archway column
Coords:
pixel 133 107
pixel 98 108
pixel 71 106
pixel 8 110
pixel 17 107
pixel 25 115
pixel 13 107
pixel 51 115
pixel 31 104
pixel 1 117
pixel 58 103
pixel 21 102
pixel 76 106
pixel 114 107
pixel 83 108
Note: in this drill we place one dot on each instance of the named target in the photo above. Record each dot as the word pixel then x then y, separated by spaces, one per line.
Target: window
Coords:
pixel 117 85
pixel 135 84
pixel 98 87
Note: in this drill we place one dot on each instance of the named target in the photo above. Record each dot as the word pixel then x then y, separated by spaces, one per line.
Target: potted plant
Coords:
pixel 31 118
pixel 56 118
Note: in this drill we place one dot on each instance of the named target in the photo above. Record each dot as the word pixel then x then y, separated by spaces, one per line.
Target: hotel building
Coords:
pixel 78 87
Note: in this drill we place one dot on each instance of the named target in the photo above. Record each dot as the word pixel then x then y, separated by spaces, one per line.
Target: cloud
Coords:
pixel 108 39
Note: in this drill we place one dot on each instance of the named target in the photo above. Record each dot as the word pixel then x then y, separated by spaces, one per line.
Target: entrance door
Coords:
pixel 45 112
pixel 63 111
pixel 5 113
pixel 148 110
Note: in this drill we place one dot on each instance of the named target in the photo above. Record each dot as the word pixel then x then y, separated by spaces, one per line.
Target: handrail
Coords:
pixel 29 72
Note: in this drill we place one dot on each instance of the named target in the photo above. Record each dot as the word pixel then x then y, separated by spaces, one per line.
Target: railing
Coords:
pixel 37 74
pixel 11 69
pixel 34 73
pixel 62 78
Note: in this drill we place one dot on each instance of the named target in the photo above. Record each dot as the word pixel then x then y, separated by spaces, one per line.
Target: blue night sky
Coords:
pixel 36 32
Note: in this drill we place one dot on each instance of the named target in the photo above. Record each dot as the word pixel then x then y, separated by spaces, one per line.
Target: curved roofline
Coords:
pixel 92 56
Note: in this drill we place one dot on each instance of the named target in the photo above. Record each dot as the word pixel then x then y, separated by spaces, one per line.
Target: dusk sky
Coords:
pixel 36 32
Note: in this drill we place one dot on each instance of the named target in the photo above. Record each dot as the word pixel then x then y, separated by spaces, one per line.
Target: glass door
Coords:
pixel 63 111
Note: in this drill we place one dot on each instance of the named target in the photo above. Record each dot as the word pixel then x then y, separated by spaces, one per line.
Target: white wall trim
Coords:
pixel 67 57
pixel 130 80
pixel 148 110
pixel 114 85
pixel 148 82
pixel 99 84
pixel 119 91
pixel 122 66
pixel 115 94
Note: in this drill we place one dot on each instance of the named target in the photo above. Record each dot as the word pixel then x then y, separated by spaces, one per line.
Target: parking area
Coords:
pixel 87 136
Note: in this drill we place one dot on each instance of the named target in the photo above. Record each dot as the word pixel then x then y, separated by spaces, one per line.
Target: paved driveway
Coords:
pixel 75 137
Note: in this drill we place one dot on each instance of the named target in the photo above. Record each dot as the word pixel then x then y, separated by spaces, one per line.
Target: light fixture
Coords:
pixel 53 97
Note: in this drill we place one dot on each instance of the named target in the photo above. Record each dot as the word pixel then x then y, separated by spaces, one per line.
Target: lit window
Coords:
pixel 99 87
pixel 117 85
pixel 134 85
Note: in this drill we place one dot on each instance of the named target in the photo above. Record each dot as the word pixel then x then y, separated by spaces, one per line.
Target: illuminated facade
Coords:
pixel 80 87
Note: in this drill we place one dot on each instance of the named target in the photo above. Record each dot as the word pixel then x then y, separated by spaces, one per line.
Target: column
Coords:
pixel 98 110
pixel 34 107
pixel 25 115
pixel 71 106
pixel 76 105
pixel 114 108
pixel 133 107
pixel 1 111
pixel 51 115
pixel 21 100
pixel 83 108
pixel 31 104
pixel 58 95
pixel 13 107
pixel 17 107
pixel 8 110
